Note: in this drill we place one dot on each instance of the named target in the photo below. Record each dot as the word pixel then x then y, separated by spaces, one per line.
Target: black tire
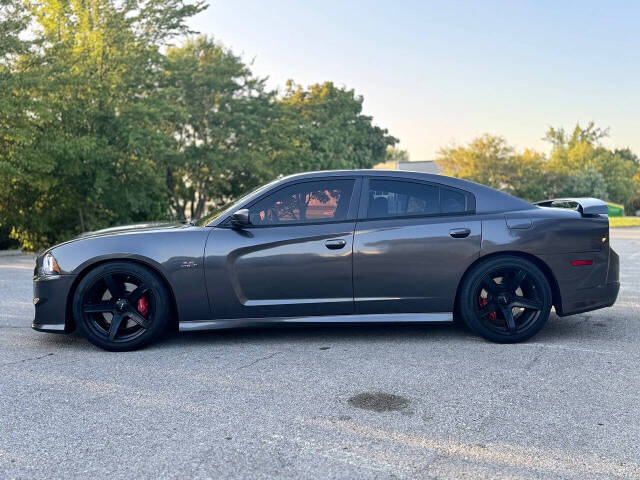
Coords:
pixel 500 285
pixel 127 292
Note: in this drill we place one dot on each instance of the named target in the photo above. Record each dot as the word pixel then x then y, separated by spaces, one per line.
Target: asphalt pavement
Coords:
pixel 368 401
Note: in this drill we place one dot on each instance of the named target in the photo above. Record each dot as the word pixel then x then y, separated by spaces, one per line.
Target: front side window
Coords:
pixel 318 201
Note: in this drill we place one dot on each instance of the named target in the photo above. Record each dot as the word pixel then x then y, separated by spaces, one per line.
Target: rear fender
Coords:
pixel 557 237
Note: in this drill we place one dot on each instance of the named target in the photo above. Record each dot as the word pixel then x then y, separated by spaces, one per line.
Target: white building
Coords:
pixel 423 166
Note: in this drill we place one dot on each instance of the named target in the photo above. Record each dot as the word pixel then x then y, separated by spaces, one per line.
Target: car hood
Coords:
pixel 123 230
pixel 133 228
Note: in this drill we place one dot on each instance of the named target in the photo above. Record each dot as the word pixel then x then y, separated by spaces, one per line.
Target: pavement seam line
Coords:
pixel 259 360
pixel 26 360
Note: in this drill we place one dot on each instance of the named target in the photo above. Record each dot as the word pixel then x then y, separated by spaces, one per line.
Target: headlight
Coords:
pixel 49 265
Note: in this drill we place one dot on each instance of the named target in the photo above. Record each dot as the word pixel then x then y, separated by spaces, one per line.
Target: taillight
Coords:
pixel 579 263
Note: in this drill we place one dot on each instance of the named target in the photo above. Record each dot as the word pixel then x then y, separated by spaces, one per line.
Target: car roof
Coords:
pixel 487 199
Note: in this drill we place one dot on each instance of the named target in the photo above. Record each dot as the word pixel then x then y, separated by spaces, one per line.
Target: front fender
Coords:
pixel 175 254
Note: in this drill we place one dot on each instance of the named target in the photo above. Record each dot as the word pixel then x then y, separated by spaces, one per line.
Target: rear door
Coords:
pixel 295 259
pixel 412 244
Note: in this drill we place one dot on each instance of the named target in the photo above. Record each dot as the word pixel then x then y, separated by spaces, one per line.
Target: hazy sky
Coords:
pixel 440 72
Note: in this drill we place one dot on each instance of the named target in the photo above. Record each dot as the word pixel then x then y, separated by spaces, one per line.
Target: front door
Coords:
pixel 412 247
pixel 295 259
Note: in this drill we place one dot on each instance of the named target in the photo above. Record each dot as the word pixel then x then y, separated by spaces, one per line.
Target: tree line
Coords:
pixel 578 165
pixel 113 111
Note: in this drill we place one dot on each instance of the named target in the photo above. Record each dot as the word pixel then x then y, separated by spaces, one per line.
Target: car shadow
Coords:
pixel 62 342
pixel 319 333
pixel 280 335
pixel 584 327
pixel 276 335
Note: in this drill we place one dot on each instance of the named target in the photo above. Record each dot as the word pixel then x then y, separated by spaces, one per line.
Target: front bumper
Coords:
pixel 50 294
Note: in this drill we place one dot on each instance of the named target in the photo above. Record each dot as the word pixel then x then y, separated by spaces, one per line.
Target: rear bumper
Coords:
pixel 50 294
pixel 590 299
pixel 585 288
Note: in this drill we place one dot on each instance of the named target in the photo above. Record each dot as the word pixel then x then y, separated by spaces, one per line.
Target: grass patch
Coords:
pixel 616 222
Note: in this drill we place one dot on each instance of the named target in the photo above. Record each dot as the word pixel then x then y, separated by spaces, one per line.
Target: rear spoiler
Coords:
pixel 586 206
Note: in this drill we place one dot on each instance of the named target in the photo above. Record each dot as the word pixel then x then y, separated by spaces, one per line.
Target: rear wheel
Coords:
pixel 121 306
pixel 505 299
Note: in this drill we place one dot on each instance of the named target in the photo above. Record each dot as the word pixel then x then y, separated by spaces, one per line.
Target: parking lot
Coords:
pixel 401 401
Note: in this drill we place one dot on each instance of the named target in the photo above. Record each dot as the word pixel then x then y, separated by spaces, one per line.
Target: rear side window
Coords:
pixel 397 198
pixel 319 201
pixel 452 201
pixel 390 198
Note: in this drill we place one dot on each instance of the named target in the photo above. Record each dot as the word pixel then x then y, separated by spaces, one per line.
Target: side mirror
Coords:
pixel 240 218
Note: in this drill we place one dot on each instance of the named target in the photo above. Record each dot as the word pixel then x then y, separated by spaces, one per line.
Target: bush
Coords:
pixel 584 183
pixel 6 243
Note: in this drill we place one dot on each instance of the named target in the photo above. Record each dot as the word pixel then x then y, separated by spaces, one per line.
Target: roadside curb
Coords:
pixel 11 253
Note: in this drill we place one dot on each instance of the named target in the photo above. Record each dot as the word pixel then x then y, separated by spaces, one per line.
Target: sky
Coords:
pixel 439 73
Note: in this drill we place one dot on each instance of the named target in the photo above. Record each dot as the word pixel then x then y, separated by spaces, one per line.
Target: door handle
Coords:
pixel 459 232
pixel 335 244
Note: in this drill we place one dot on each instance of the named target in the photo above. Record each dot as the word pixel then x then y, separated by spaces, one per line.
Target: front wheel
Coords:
pixel 121 306
pixel 505 299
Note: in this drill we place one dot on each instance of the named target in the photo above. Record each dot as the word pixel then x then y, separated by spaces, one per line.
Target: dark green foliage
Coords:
pixel 86 146
pixel 221 120
pixel 583 183
pixel 103 122
pixel 323 128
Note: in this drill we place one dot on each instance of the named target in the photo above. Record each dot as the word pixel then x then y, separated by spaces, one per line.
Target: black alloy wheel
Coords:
pixel 506 299
pixel 121 306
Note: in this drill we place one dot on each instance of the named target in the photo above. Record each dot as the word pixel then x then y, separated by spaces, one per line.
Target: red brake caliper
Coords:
pixel 143 305
pixel 483 303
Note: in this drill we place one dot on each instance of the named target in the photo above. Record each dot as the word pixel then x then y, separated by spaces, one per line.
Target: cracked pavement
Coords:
pixel 275 402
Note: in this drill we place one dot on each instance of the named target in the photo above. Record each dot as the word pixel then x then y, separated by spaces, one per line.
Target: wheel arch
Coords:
pixel 537 261
pixel 86 268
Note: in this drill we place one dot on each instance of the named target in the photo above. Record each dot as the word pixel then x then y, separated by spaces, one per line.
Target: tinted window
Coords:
pixel 392 198
pixel 321 201
pixel 452 201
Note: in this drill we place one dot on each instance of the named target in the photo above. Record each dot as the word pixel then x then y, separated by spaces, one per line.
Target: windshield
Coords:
pixel 230 206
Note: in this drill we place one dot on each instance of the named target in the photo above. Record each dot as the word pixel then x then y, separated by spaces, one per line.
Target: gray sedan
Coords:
pixel 338 246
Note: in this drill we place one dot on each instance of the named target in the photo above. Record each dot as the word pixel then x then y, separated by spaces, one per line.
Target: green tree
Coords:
pixel 105 122
pixel 322 127
pixel 530 177
pixel 96 113
pixel 263 136
pixel 582 150
pixel 578 165
pixel 396 155
pixel 14 105
pixel 633 204
pixel 487 159
pixel 582 183
pixel 221 120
